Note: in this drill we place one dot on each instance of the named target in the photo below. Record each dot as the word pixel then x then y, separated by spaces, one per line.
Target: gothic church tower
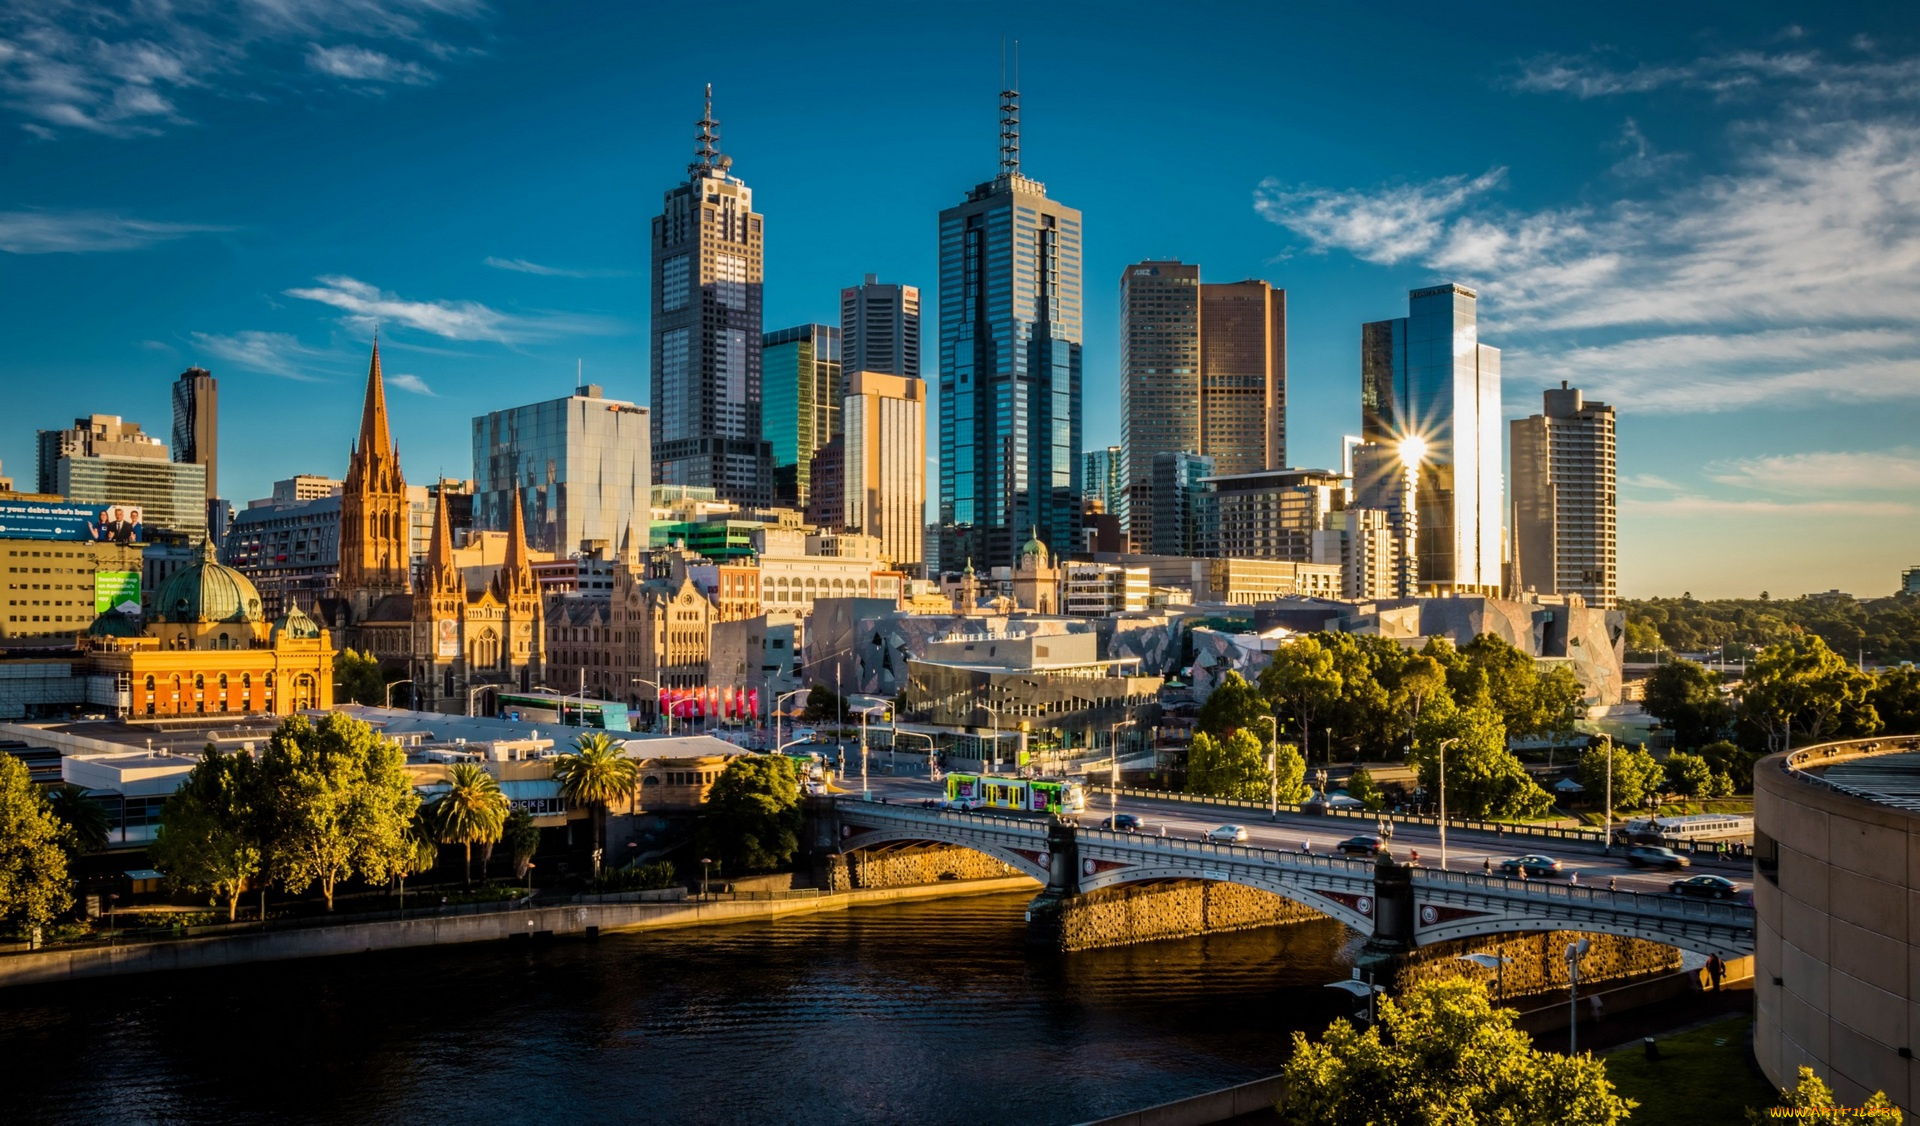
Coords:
pixel 374 558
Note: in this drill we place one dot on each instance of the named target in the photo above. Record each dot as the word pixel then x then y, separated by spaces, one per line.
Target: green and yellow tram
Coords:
pixel 1037 795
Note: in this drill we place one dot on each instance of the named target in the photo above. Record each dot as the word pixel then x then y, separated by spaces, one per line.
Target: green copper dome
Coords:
pixel 296 625
pixel 1033 546
pixel 205 592
pixel 113 623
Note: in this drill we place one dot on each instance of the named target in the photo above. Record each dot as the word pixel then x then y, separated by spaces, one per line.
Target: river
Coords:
pixel 930 1012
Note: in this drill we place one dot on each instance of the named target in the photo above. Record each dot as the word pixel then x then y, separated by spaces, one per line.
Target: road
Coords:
pixel 1467 850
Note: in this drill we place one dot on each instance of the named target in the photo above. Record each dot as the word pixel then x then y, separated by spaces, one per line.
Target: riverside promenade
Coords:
pixel 428 929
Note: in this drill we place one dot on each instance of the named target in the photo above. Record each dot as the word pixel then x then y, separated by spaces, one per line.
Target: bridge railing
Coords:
pixel 1252 853
pixel 1037 825
pixel 1635 902
pixel 1542 832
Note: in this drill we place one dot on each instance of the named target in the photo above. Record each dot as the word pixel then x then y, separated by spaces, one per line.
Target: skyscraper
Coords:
pixel 1010 337
pixel 196 423
pixel 579 467
pixel 1159 378
pixel 1178 524
pixel 1104 478
pixel 707 270
pixel 102 460
pixel 802 385
pixel 885 462
pixel 880 327
pixel 1563 500
pixel 1430 389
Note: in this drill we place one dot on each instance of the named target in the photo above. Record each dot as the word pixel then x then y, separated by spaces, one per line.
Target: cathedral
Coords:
pixel 454 642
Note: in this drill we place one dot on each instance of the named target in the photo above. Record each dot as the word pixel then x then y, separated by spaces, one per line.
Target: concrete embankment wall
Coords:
pixel 1144 913
pixel 432 930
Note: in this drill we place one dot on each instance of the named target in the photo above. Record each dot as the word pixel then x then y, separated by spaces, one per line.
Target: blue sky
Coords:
pixel 1707 215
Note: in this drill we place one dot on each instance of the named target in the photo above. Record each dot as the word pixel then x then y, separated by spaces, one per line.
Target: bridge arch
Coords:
pixel 1703 940
pixel 1355 909
pixel 1033 860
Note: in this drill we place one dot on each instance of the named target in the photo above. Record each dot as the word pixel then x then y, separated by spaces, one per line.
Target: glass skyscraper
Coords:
pixel 1010 338
pixel 582 465
pixel 1429 387
pixel 880 327
pixel 800 405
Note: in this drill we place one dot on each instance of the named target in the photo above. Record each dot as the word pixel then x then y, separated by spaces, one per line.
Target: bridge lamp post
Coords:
pixel 1273 767
pixel 1575 952
pixel 866 794
pixel 1494 962
pixel 777 700
pixel 1113 777
pixel 395 685
pixel 1359 988
pixel 1443 801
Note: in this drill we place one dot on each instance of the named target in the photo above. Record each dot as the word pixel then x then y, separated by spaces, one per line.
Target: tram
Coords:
pixel 1038 795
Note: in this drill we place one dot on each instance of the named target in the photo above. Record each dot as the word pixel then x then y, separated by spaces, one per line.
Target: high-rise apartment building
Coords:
pixel 706 324
pixel 1177 526
pixel 1276 514
pixel 1010 337
pixel 1428 387
pixel 104 460
pixel 880 327
pixel 580 467
pixel 801 391
pixel 885 462
pixel 1563 499
pixel 1386 509
pixel 1203 368
pixel 196 423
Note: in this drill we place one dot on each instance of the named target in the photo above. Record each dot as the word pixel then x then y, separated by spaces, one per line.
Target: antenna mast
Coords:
pixel 1010 113
pixel 706 151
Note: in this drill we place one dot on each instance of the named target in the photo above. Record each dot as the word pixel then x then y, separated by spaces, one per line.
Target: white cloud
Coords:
pixel 369 305
pixel 413 383
pixel 1384 226
pixel 522 266
pixel 1727 75
pixel 362 65
pixel 270 353
pixel 80 232
pixel 1816 473
pixel 1690 504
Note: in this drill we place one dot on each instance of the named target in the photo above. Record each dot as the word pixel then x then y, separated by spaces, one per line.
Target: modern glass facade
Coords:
pixel 583 466
pixel 1104 478
pixel 1010 371
pixel 1426 377
pixel 1159 378
pixel 171 496
pixel 880 327
pixel 196 423
pixel 1178 524
pixel 802 390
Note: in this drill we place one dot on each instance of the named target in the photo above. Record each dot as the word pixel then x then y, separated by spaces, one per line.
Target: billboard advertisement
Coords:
pixel 63 520
pixel 116 590
pixel 447 634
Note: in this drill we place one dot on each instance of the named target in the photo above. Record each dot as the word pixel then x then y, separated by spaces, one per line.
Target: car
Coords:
pixel 1653 856
pixel 1339 799
pixel 1533 864
pixel 963 805
pixel 1359 846
pixel 1705 887
pixel 1121 823
pixel 1228 834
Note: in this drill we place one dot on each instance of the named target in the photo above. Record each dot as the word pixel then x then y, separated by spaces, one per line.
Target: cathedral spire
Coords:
pixel 516 571
pixel 441 575
pixel 375 437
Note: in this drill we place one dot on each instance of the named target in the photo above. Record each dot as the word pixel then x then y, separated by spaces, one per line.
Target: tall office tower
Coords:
pixel 1563 503
pixel 802 386
pixel 1428 386
pixel 1010 336
pixel 707 259
pixel 1159 378
pixel 1176 517
pixel 885 462
pixel 1104 478
pixel 1385 511
pixel 580 466
pixel 196 423
pixel 102 460
pixel 880 327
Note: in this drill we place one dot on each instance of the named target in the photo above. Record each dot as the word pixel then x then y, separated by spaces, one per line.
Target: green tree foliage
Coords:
pixel 1422 678
pixel 1800 691
pixel 357 679
pixel 1689 775
pixel 34 887
pixel 1642 638
pixel 472 811
pixel 1362 788
pixel 594 774
pixel 209 838
pixel 1484 779
pixel 824 705
pixel 753 814
pixel 1811 1093
pixel 1562 702
pixel 1732 761
pixel 1302 676
pixel 1886 630
pixel 1236 767
pixel 1364 718
pixel 84 825
pixel 1443 1054
pixel 1895 696
pixel 1291 768
pixel 1635 774
pixel 1508 680
pixel 522 839
pixel 338 804
pixel 1687 697
pixel 1233 706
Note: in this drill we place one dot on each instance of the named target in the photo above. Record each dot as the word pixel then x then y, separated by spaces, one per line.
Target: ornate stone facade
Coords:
pixel 464 640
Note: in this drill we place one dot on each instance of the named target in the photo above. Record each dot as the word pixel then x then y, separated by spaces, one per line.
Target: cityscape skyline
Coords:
pixel 1754 433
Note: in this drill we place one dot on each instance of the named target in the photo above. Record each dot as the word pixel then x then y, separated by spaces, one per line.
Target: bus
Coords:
pixel 1695 827
pixel 573 711
pixel 995 791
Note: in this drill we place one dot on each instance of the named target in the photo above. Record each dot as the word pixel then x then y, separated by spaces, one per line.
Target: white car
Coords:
pixel 1228 834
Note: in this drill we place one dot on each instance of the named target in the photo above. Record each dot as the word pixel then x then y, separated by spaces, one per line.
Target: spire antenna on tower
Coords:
pixel 706 151
pixel 1010 114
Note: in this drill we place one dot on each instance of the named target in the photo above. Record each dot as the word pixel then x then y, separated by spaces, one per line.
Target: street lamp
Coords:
pixel 1113 787
pixel 704 862
pixel 866 713
pixel 1359 988
pixel 1443 800
pixel 1495 962
pixel 475 691
pixel 932 747
pixel 657 693
pixel 1575 952
pixel 995 713
pixel 393 686
pixel 776 712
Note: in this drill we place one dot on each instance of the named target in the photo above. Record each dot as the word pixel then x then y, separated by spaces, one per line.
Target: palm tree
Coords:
pixel 595 774
pixel 86 823
pixel 473 810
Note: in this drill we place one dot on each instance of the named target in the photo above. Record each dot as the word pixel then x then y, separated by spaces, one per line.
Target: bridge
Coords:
pixel 1398 906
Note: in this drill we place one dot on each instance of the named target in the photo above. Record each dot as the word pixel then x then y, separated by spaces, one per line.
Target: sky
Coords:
pixel 1706 215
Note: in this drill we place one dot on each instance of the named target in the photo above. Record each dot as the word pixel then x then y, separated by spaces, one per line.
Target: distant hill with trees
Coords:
pixel 1882 630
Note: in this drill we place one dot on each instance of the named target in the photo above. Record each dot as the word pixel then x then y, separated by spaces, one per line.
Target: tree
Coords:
pixel 1895 695
pixel 1562 703
pixel 1635 774
pixel 1233 705
pixel 1421 679
pixel 34 887
pixel 1642 637
pixel 824 705
pixel 1731 760
pixel 1689 775
pixel 1688 698
pixel 357 679
pixel 593 775
pixel 1301 675
pixel 522 838
pixel 1801 685
pixel 1483 778
pixel 472 811
pixel 1443 1053
pixel 1365 717
pixel 84 826
pixel 1362 788
pixel 1811 1093
pixel 753 814
pixel 209 838
pixel 1511 683
pixel 1236 767
pixel 1291 768
pixel 338 804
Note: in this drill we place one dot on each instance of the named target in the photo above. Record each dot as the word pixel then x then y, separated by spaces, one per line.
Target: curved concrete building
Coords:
pixel 1837 917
